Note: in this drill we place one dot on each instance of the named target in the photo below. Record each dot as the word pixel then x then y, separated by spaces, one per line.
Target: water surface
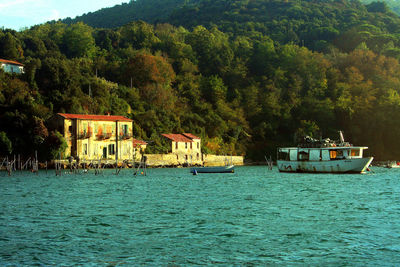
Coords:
pixel 170 217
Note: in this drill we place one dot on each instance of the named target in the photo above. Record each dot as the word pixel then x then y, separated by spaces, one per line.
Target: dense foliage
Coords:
pixel 245 75
pixel 392 4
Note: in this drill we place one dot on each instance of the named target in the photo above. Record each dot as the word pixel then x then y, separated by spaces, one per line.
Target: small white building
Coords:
pixel 11 66
pixel 186 147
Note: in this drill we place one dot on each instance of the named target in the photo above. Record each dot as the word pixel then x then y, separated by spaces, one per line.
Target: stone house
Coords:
pixel 92 137
pixel 11 66
pixel 186 147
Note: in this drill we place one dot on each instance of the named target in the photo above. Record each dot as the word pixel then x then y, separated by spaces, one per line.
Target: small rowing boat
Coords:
pixel 217 169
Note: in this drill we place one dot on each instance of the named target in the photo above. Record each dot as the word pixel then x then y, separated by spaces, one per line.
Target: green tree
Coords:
pixel 5 144
pixel 138 35
pixel 10 47
pixel 55 145
pixel 153 76
pixel 213 50
pixel 78 41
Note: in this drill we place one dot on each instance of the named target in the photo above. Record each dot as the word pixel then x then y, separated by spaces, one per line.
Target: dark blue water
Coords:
pixel 170 217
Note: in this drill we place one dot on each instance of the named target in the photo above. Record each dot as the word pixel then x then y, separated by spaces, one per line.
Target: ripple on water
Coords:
pixel 170 217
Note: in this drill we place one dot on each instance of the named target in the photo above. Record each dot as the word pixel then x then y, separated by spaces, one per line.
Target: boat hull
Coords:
pixel 354 165
pixel 218 169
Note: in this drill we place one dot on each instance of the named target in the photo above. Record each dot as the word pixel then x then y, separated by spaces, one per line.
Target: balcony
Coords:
pixel 125 136
pixel 103 136
pixel 85 135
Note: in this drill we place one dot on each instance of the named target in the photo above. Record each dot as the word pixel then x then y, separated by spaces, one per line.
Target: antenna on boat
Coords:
pixel 341 137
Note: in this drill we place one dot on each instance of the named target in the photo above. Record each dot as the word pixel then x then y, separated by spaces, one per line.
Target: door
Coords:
pixel 104 152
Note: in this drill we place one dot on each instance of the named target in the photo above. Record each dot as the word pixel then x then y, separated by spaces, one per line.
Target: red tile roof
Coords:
pixel 177 138
pixel 10 62
pixel 94 117
pixel 191 136
pixel 137 142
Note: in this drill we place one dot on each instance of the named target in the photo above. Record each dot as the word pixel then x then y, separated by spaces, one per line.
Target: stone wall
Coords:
pixel 214 160
pixel 159 160
pixel 170 160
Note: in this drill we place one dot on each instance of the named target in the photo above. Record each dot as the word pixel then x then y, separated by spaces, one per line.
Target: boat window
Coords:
pixel 315 154
pixel 355 152
pixel 293 154
pixel 283 155
pixel 333 154
pixel 325 154
pixel 304 155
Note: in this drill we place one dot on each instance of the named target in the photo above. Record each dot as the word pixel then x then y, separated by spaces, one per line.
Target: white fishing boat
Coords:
pixel 323 156
pixel 217 169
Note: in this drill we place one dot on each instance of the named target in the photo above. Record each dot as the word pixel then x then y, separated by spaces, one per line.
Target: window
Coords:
pixel 70 129
pixel 125 129
pixel 355 152
pixel 185 145
pixel 198 145
pixel 111 149
pixel 198 156
pixel 85 149
pixel 304 155
pixel 85 125
pixel 191 144
pixel 283 155
pixel 176 145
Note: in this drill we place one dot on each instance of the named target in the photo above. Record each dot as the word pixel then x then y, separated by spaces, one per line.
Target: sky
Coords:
pixel 18 14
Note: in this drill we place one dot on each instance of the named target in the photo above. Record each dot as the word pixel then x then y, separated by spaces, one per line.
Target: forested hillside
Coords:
pixel 151 11
pixel 247 76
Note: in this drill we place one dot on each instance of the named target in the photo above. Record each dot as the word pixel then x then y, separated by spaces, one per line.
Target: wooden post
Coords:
pixel 36 163
pixel 145 165
pixel 1 166
pixel 8 167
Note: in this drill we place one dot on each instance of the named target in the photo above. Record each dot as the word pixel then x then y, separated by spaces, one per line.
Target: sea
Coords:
pixel 169 217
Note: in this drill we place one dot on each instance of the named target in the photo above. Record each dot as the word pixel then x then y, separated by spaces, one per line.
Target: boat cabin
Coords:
pixel 319 154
